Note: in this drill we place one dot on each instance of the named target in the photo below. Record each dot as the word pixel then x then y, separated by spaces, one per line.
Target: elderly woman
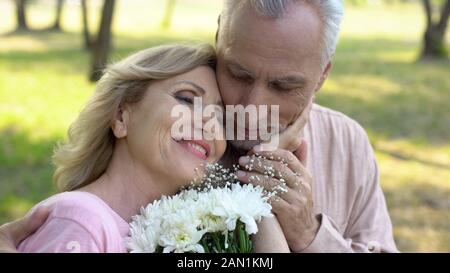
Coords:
pixel 120 154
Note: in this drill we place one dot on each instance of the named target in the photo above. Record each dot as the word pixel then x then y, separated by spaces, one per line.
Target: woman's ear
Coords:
pixel 120 122
pixel 323 77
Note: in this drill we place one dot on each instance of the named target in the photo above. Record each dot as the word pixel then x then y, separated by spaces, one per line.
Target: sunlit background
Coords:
pixel 378 80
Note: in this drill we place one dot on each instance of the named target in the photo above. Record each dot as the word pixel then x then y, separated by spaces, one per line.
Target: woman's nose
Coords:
pixel 211 121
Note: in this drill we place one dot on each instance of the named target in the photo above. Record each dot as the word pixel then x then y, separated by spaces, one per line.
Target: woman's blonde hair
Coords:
pixel 87 152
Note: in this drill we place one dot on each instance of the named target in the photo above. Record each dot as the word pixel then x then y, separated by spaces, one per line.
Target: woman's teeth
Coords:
pixel 198 148
pixel 201 150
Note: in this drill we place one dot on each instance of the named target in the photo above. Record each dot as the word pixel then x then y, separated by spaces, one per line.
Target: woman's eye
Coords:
pixel 185 99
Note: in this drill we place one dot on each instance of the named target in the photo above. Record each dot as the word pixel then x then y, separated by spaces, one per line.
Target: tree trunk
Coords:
pixel 445 14
pixel 102 45
pixel 57 24
pixel 434 38
pixel 21 15
pixel 86 34
pixel 434 44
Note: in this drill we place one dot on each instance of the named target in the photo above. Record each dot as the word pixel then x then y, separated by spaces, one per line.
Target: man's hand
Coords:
pixel 11 234
pixel 290 139
pixel 294 205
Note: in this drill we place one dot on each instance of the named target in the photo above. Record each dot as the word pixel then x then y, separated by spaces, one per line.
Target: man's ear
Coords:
pixel 119 124
pixel 323 77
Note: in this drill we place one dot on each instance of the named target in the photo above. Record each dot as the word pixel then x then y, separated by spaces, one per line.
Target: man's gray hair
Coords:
pixel 331 12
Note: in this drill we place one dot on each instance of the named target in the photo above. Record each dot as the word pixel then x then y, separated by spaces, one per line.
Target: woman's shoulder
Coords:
pixel 85 209
pixel 70 204
pixel 87 213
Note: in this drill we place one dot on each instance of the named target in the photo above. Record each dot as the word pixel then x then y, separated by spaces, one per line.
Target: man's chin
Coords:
pixel 244 144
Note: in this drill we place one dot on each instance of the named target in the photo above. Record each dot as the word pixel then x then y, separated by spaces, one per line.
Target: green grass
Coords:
pixel 403 104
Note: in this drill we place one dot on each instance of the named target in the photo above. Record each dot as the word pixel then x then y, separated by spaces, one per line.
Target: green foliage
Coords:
pixel 237 241
pixel 403 104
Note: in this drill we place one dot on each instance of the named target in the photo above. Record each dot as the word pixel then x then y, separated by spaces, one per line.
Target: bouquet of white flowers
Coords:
pixel 217 215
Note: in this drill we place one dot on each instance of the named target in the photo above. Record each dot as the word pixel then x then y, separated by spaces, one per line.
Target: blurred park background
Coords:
pixel 381 78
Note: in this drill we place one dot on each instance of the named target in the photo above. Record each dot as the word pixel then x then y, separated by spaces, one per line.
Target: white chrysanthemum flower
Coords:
pixel 204 209
pixel 145 229
pixel 142 240
pixel 178 223
pixel 245 203
pixel 181 233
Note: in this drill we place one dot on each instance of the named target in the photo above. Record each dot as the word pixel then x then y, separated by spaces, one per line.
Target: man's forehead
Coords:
pixel 282 70
pixel 300 27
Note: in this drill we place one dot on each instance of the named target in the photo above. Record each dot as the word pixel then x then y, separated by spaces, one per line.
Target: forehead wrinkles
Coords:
pixel 298 30
pixel 271 63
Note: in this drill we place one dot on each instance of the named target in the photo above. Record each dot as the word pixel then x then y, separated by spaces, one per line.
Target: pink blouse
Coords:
pixel 78 222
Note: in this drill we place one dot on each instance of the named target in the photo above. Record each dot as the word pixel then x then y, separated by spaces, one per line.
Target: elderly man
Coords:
pixel 279 52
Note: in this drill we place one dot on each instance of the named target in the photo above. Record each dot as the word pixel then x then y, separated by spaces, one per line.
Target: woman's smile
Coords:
pixel 198 148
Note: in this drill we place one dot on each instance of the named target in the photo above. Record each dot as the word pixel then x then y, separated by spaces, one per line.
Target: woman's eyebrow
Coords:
pixel 194 85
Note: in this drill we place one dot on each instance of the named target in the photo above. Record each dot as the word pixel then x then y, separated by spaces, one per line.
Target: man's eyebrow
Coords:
pixel 234 65
pixel 194 85
pixel 289 80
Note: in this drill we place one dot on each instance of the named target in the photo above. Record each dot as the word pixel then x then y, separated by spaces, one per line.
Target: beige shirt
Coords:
pixel 346 191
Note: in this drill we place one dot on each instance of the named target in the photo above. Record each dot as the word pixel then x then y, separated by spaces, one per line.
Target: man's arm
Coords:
pixel 11 234
pixel 369 228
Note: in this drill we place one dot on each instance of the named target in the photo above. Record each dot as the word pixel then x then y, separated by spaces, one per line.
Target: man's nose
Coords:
pixel 257 95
